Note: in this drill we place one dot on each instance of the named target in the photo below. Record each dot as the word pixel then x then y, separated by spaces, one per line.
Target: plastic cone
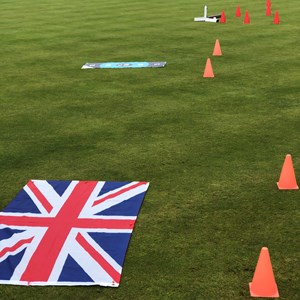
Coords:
pixel 223 17
pixel 247 18
pixel 208 72
pixel 217 49
pixel 263 283
pixel 268 11
pixel 268 3
pixel 287 180
pixel 238 12
pixel 276 18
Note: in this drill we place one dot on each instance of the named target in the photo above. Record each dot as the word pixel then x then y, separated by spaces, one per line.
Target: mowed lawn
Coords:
pixel 212 149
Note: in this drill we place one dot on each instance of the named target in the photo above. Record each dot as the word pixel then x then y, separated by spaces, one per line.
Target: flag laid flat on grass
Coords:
pixel 68 232
pixel 124 65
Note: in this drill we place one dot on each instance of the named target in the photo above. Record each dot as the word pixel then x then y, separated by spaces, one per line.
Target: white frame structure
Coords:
pixel 205 18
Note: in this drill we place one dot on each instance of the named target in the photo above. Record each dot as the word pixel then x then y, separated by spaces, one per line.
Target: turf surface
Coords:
pixel 211 148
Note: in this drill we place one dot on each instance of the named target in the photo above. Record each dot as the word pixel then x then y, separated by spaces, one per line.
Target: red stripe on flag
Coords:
pixel 15 246
pixel 40 196
pixel 105 223
pixel 120 192
pixel 107 267
pixel 79 223
pixel 26 221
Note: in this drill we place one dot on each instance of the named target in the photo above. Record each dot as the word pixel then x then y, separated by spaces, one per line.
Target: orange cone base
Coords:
pixel 253 294
pixel 295 187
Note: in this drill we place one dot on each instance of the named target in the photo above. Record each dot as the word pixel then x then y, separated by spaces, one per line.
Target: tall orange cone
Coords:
pixel 223 17
pixel 238 12
pixel 287 180
pixel 208 72
pixel 263 283
pixel 217 49
pixel 247 18
pixel 276 18
pixel 268 11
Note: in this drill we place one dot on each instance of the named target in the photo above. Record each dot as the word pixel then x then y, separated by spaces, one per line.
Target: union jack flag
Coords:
pixel 68 232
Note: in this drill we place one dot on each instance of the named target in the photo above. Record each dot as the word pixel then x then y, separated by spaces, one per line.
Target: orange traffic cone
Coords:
pixel 217 49
pixel 238 12
pixel 287 180
pixel 268 3
pixel 223 17
pixel 263 283
pixel 208 72
pixel 276 18
pixel 247 18
pixel 268 11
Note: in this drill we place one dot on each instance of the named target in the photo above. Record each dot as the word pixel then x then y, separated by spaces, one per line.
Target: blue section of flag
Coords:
pixel 6 233
pixel 72 271
pixel 59 186
pixel 22 203
pixel 115 244
pixel 129 207
pixel 110 186
pixel 7 267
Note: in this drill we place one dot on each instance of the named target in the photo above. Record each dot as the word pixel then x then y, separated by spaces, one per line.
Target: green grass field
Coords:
pixel 212 149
